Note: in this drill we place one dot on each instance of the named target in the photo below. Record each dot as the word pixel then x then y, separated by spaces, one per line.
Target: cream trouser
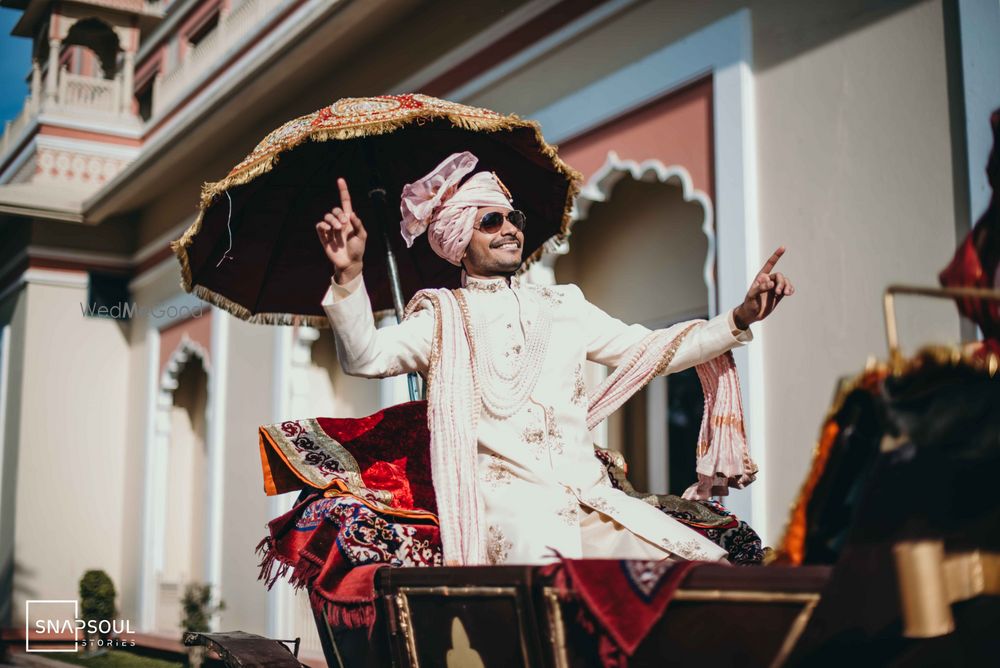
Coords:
pixel 604 538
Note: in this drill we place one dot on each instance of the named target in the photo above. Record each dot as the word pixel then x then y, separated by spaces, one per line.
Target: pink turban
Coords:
pixel 447 212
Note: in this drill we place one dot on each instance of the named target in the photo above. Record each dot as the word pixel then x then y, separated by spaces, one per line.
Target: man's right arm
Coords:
pixel 366 351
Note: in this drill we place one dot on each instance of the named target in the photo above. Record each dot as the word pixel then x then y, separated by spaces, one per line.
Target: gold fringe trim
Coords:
pixel 944 355
pixel 245 174
pixel 240 311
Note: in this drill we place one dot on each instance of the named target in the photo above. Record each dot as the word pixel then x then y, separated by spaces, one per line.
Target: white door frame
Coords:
pixel 159 398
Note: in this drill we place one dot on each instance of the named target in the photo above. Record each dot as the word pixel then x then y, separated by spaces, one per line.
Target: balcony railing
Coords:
pixel 144 6
pixel 80 92
pixel 233 28
pixel 75 95
pixel 13 128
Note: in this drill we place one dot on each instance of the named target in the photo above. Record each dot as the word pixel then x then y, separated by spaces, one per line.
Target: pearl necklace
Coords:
pixel 504 394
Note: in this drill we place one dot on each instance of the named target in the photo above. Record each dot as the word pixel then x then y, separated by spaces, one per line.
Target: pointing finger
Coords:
pixel 773 260
pixel 345 197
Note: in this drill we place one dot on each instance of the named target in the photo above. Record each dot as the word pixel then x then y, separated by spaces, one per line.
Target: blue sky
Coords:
pixel 15 63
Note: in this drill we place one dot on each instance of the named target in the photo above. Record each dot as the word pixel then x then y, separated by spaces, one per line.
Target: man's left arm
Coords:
pixel 611 339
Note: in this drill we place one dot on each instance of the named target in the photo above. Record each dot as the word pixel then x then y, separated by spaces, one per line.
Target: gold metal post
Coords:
pixel 888 303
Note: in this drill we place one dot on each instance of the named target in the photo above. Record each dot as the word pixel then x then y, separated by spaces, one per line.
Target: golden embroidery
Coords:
pixel 486 286
pixel 414 306
pixel 601 505
pixel 689 549
pixel 570 514
pixel 549 295
pixel 549 435
pixel 497 546
pixel 730 420
pixel 554 433
pixel 498 472
pixel 668 356
pixel 535 438
pixel 579 386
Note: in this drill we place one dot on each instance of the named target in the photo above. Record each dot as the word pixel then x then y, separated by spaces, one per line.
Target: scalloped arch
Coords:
pixel 182 354
pixel 599 187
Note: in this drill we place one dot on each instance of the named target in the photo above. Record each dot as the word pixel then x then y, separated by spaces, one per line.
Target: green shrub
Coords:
pixel 97 596
pixel 198 608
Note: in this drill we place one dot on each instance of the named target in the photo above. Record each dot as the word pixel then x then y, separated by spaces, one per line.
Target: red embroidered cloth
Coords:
pixel 371 505
pixel 977 259
pixel 620 600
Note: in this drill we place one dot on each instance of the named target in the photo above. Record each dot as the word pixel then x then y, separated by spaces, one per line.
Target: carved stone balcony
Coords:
pixel 75 97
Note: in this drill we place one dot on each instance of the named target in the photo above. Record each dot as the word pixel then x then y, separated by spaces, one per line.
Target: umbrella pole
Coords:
pixel 377 197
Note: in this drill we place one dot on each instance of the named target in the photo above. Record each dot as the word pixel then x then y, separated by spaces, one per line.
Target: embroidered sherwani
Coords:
pixel 538 476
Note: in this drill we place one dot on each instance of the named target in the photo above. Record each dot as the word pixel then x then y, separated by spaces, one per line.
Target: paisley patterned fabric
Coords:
pixel 712 520
pixel 325 543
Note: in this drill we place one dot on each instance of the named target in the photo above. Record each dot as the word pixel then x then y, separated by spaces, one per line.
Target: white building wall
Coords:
pixel 855 169
pixel 71 447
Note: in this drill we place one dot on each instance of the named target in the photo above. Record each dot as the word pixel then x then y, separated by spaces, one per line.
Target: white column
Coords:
pixel 289 351
pixel 657 438
pixel 157 83
pixel 36 84
pixel 117 95
pixel 128 79
pixel 51 82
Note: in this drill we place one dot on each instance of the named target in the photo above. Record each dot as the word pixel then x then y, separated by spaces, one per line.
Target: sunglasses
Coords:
pixel 493 221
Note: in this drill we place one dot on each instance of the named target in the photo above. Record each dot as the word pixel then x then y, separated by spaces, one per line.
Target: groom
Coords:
pixel 513 462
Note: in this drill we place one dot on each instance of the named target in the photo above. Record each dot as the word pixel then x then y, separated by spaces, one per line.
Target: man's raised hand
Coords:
pixel 343 236
pixel 764 294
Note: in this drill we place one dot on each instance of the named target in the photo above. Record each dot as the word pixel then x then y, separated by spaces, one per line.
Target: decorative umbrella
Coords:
pixel 253 249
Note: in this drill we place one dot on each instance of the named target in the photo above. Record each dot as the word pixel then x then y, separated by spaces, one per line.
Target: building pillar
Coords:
pixel 155 105
pixel 36 84
pixel 128 77
pixel 51 81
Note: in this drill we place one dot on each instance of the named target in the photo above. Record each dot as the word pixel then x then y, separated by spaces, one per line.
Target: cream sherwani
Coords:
pixel 542 487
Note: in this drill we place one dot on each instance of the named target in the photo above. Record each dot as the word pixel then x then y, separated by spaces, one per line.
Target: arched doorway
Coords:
pixel 93 38
pixel 643 250
pixel 182 482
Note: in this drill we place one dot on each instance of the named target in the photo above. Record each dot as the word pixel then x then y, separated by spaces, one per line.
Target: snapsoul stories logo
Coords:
pixel 55 626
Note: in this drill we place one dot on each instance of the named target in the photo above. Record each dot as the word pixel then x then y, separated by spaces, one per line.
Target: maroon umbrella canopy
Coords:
pixel 253 249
